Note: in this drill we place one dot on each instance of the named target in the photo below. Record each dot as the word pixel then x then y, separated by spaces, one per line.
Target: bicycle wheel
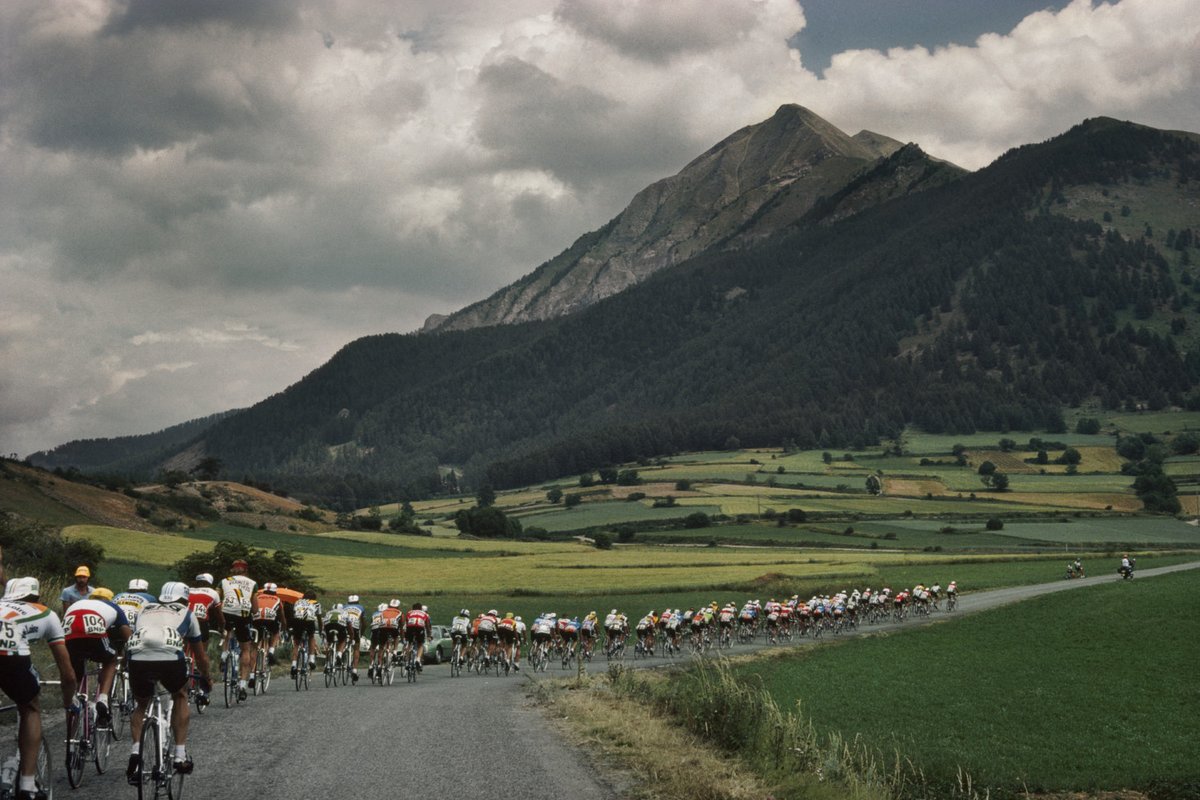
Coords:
pixel 102 739
pixel 119 704
pixel 301 666
pixel 44 771
pixel 172 779
pixel 152 753
pixel 264 679
pixel 228 676
pixel 75 748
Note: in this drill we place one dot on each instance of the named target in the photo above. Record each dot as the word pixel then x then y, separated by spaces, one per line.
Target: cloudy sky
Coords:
pixel 201 201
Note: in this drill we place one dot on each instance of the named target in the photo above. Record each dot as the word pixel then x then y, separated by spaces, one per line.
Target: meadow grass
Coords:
pixel 1101 674
pixel 120 544
pixel 19 496
pixel 602 514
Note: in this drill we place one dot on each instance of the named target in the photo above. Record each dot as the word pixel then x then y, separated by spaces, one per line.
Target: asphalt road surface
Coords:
pixel 463 738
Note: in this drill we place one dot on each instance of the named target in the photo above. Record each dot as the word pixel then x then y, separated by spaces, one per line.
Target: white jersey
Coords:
pixel 305 610
pixel 162 631
pixel 612 621
pixel 236 594
pixel 23 623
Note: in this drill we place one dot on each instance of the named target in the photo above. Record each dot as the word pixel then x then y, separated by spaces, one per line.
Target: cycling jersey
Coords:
pixel 460 626
pixel 267 607
pixel 487 624
pixel 334 617
pixel 93 619
pixel 237 591
pixel 352 616
pixel 162 631
pixel 416 618
pixel 23 623
pixel 132 603
pixel 201 601
pixel 306 610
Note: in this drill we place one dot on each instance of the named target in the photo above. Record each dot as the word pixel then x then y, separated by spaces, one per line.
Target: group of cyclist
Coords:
pixel 164 638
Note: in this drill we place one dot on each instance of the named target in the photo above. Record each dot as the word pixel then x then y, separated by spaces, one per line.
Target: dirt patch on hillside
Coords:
pixel 905 487
pixel 101 505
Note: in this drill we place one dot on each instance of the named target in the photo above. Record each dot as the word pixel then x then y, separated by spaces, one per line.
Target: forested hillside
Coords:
pixel 984 303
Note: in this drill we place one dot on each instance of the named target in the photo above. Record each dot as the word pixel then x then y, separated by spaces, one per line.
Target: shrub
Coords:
pixel 683 485
pixel 635 496
pixel 995 524
pixel 572 500
pixel 602 541
pixel 697 519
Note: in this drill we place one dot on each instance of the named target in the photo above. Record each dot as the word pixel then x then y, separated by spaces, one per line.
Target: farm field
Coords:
pixel 1003 694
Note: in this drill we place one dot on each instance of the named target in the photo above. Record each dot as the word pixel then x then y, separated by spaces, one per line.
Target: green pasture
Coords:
pixel 608 513
pixel 1159 422
pixel 22 498
pixel 1097 673
pixel 929 444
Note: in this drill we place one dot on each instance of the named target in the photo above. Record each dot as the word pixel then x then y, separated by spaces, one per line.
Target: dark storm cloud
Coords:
pixel 133 15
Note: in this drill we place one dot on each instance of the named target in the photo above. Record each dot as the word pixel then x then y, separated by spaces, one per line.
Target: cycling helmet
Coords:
pixel 139 585
pixel 270 588
pixel 519 619
pixel 613 611
pixel 339 606
pixel 205 577
pixel 101 594
pixel 381 607
pixel 173 592
pixel 494 612
pixel 394 603
pixel 352 598
pixel 22 588
pixel 464 613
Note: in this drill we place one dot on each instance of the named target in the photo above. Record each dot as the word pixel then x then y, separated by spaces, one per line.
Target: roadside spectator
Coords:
pixel 78 590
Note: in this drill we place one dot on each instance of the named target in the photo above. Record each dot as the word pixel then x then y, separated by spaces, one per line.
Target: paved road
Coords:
pixel 466 738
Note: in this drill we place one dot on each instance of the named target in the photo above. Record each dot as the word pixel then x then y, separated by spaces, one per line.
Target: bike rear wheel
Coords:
pixel 151 754
pixel 102 739
pixel 75 748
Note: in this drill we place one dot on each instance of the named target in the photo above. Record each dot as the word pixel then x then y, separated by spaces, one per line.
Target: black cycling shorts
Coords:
pixel 303 628
pixel 414 636
pixel 381 636
pixel 19 679
pixel 507 636
pixel 267 628
pixel 335 633
pixel 144 674
pixel 240 627
pixel 84 650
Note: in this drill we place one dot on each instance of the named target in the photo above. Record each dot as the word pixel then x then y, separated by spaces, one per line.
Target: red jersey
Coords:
pixel 416 618
pixel 92 619
pixel 201 601
pixel 508 624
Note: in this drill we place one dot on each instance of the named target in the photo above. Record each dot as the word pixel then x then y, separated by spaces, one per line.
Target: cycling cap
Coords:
pixel 465 613
pixel 139 585
pixel 205 577
pixel 352 598
pixel 519 619
pixel 381 607
pixel 394 602
pixel 270 588
pixel 101 594
pixel 613 611
pixel 493 612
pixel 173 592
pixel 21 588
pixel 239 564
pixel 509 615
pixel 338 606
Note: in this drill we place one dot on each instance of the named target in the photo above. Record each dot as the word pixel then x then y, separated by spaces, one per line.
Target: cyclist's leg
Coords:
pixel 29 736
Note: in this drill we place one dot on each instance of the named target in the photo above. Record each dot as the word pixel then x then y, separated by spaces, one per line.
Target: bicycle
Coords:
pixel 262 669
pixel 951 602
pixel 85 741
pixel 302 666
pixel 157 776
pixel 43 772
pixel 333 666
pixel 410 662
pixel 196 694
pixel 120 701
pixel 231 672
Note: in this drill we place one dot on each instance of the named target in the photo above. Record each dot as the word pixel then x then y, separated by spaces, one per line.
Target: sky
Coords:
pixel 201 202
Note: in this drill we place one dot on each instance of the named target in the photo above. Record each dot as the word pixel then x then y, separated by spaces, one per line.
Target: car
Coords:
pixel 437 649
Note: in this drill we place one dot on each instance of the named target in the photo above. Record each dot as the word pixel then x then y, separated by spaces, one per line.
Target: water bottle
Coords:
pixel 8 773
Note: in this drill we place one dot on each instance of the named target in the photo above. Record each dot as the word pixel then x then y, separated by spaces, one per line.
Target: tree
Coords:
pixel 209 468
pixel 995 524
pixel 696 519
pixel 998 481
pixel 1007 445
pixel 733 443
pixel 555 495
pixel 874 484
pixel 602 541
pixel 683 485
pixel 572 500
pixel 1070 456
pixel 281 566
pixel 608 475
pixel 33 548
pixel 586 480
pixel 628 477
pixel 1089 426
pixel 1186 443
pixel 987 468
pixel 487 522
pixel 486 496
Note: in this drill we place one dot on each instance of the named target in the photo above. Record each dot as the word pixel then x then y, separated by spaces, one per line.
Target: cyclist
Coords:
pixel 568 631
pixel 417 629
pixel 205 604
pixel 587 634
pixel 77 590
pixel 88 625
pixel 353 613
pixel 237 603
pixel 268 608
pixel 305 614
pixel 460 632
pixel 385 629
pixel 521 637
pixel 506 630
pixel 23 621
pixel 542 632
pixel 614 629
pixel 134 599
pixel 486 631
pixel 645 632
pixel 334 626
pixel 157 654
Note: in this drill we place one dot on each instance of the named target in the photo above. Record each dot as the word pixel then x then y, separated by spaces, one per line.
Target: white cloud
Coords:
pixel 242 188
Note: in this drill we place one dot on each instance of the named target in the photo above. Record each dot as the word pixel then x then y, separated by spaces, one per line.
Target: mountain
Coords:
pixel 140 453
pixel 750 186
pixel 1058 275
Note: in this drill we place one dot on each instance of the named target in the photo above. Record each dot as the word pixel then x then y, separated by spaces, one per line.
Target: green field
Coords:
pixel 1100 673
pixel 600 515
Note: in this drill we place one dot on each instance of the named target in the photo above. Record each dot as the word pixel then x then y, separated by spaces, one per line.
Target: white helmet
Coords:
pixel 465 613
pixel 381 607
pixel 21 588
pixel 270 588
pixel 205 577
pixel 394 602
pixel 173 592
pixel 139 585
pixel 352 598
